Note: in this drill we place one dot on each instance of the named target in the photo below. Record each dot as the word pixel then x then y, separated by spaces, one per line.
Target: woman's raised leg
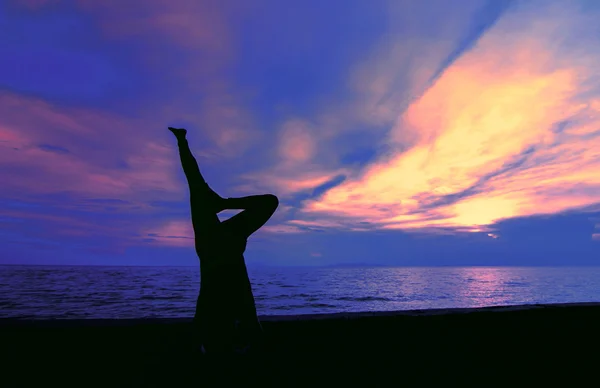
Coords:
pixel 205 202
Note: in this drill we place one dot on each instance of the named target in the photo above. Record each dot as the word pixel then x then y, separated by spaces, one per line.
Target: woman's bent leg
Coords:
pixel 258 210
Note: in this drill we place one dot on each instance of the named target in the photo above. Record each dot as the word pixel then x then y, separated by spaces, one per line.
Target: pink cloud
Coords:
pixel 188 44
pixel 78 162
pixel 172 233
pixel 48 149
pixel 296 143
pixel 89 153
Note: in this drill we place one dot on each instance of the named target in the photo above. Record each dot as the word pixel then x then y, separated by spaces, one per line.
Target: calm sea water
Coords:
pixel 136 292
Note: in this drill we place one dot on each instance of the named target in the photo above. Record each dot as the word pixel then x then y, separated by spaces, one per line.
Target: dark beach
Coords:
pixel 516 344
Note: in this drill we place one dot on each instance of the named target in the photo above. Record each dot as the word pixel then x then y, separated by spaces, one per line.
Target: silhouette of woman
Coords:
pixel 225 318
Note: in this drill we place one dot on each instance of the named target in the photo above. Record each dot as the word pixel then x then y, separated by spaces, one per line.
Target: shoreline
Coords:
pixel 112 322
pixel 519 344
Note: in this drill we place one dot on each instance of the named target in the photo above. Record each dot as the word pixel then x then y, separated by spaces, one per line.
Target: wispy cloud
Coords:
pixel 398 69
pixel 172 233
pixel 70 157
pixel 48 150
pixel 435 119
pixel 509 129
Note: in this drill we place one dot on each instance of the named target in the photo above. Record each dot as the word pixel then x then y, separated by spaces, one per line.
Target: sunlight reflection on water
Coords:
pixel 135 292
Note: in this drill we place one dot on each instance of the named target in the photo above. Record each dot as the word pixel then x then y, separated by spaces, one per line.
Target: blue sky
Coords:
pixel 394 132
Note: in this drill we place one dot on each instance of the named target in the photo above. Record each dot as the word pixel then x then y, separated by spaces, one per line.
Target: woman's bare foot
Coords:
pixel 178 132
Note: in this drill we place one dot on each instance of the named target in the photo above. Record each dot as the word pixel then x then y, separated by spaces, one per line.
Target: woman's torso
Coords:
pixel 222 266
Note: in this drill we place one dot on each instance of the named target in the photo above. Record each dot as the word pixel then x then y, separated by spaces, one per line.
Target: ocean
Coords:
pixel 61 292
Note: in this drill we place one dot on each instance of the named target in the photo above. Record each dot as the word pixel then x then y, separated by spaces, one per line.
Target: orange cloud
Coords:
pixel 510 129
pixel 400 67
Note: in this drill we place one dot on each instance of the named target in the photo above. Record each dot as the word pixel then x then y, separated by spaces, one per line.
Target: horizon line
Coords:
pixel 342 265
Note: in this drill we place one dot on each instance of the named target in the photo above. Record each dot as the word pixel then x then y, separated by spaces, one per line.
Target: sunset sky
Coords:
pixel 394 132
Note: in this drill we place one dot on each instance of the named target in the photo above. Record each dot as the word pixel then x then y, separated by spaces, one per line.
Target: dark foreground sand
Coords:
pixel 503 346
